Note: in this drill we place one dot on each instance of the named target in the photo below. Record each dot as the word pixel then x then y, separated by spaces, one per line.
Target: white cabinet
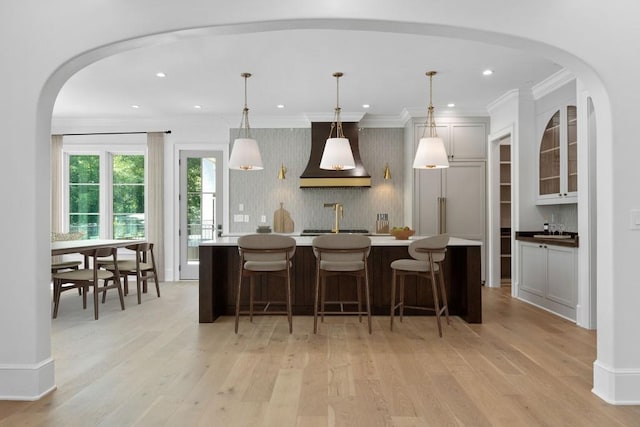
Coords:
pixel 548 277
pixel 558 157
pixel 451 200
pixel 462 140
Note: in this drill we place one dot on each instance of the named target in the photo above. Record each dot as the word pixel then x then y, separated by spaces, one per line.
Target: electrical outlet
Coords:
pixel 263 218
pixel 246 218
pixel 241 207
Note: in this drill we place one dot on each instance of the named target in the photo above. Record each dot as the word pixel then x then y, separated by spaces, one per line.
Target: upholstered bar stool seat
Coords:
pixel 265 254
pixel 427 254
pixel 341 254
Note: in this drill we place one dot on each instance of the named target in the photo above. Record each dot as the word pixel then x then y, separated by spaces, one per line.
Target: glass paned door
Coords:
pixel 200 205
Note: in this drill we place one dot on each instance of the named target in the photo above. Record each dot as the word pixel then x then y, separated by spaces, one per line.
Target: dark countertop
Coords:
pixel 533 236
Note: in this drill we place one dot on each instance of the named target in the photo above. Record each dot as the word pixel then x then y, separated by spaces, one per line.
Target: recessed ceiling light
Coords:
pixel 161 74
pixel 280 105
pixel 366 105
pixel 197 107
pixel 487 72
pixel 451 105
pixel 135 106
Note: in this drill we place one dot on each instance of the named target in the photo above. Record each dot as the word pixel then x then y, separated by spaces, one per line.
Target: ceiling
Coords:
pixel 294 68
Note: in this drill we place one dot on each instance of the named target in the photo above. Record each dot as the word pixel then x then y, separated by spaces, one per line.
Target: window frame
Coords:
pixel 105 154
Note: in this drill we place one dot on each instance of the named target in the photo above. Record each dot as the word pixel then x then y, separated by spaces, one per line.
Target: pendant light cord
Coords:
pixel 431 123
pixel 337 123
pixel 244 127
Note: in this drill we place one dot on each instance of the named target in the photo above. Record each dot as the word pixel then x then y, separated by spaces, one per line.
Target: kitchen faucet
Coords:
pixel 339 210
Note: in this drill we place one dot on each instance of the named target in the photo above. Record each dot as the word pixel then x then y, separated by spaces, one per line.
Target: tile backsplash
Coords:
pixel 261 192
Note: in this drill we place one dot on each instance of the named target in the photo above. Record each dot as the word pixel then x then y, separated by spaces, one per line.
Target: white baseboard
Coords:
pixel 28 381
pixel 616 386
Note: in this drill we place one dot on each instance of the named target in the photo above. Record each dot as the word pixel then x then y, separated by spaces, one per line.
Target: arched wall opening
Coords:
pixel 82 59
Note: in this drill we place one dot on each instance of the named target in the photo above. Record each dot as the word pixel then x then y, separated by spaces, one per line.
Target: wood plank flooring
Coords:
pixel 154 364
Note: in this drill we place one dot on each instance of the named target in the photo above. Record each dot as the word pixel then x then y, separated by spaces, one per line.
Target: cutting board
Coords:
pixel 282 222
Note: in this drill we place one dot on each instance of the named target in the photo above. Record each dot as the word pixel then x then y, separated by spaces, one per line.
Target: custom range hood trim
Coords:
pixel 314 177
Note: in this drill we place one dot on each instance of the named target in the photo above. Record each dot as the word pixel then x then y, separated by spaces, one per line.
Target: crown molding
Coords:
pixel 552 83
pixel 506 98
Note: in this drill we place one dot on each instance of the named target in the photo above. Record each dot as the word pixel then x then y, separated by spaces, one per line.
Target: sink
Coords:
pixel 312 232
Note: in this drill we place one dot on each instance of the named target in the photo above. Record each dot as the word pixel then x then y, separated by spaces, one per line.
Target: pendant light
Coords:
pixel 431 153
pixel 337 153
pixel 245 154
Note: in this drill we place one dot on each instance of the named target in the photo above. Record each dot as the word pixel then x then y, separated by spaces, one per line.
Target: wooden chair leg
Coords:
pixel 401 303
pixel 315 303
pixel 120 292
pixel 393 299
pixel 434 289
pixel 323 296
pixel 56 297
pixel 139 279
pixel 238 298
pixel 251 289
pixel 367 298
pixel 96 290
pixel 289 309
pixel 445 301
pixel 359 292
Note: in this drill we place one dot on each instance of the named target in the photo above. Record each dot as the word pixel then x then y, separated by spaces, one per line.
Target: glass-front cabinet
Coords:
pixel 558 159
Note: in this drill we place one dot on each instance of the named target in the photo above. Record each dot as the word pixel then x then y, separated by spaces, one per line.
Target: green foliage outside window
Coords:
pixel 128 197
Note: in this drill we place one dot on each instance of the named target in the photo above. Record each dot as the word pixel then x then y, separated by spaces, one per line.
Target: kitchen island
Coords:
pixel 219 261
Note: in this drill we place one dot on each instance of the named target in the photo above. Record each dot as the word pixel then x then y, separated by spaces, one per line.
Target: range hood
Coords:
pixel 314 177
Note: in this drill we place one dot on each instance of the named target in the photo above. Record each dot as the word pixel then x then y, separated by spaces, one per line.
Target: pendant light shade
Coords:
pixel 337 154
pixel 431 153
pixel 245 154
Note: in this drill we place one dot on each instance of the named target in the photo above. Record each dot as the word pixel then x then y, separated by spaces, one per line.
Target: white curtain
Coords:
pixel 56 187
pixel 155 186
pixel 56 183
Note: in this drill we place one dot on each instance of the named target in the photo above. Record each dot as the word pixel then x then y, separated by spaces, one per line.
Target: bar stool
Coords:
pixel 427 261
pixel 265 254
pixel 341 254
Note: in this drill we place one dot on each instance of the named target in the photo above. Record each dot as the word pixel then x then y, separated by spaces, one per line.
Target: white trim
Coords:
pixel 493 201
pixel 506 98
pixel 616 386
pixel 552 83
pixel 27 381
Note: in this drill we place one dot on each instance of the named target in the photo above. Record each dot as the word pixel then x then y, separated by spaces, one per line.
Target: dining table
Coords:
pixel 62 247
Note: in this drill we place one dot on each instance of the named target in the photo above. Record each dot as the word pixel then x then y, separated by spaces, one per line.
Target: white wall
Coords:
pixel 45 42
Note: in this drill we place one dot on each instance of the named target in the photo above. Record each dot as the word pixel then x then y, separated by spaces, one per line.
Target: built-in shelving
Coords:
pixel 505 211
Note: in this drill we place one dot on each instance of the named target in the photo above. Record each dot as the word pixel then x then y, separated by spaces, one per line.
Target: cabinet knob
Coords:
pixel 559 194
pixel 565 194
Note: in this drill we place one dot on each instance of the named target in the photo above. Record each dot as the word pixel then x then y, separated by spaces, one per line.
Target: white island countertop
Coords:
pixel 376 240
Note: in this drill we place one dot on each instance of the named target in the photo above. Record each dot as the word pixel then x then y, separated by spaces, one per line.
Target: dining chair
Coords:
pixel 265 254
pixel 341 254
pixel 90 276
pixel 143 267
pixel 427 261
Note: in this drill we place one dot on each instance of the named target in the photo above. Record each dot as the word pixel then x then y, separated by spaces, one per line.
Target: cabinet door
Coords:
pixel 428 193
pixel 572 150
pixel 464 194
pixel 561 273
pixel 549 160
pixel 533 269
pixel 468 142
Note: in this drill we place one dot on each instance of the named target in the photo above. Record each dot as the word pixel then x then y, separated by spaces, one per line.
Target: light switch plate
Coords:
pixel 241 207
pixel 246 218
pixel 238 218
pixel 635 219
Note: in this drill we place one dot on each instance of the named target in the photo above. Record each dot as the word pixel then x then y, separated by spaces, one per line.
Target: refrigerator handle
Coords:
pixel 443 216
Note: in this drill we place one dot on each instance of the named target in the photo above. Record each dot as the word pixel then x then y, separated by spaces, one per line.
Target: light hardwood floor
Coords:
pixel 153 364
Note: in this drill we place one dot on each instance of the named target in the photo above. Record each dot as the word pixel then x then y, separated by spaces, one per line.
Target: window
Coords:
pixel 84 195
pixel 106 195
pixel 128 196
